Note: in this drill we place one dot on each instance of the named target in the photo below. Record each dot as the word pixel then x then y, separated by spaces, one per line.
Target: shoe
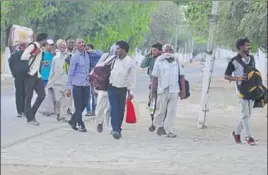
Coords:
pixel 90 114
pixel 34 122
pixel 161 131
pixel 69 112
pixel 250 141
pixel 152 128
pixel 116 135
pixel 82 129
pixel 19 115
pixel 72 125
pixel 100 128
pixel 171 135
pixel 237 138
pixel 61 119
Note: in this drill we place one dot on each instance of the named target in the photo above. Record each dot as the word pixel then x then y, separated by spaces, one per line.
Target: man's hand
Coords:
pixel 68 92
pixel 130 97
pixel 182 94
pixel 241 78
pixel 36 52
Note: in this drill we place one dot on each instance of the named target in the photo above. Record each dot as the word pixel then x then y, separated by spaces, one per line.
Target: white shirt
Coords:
pixel 123 73
pixel 168 73
pixel 37 62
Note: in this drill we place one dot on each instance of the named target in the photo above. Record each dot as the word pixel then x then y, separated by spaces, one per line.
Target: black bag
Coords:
pixel 187 85
pixel 24 66
pixel 14 61
pixel 252 88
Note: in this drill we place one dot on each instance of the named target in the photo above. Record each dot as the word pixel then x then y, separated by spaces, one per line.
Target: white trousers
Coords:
pixel 167 102
pixel 245 114
pixel 103 108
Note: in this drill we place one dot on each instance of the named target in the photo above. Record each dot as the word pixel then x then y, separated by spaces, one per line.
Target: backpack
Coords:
pixel 23 66
pixel 100 76
pixel 252 88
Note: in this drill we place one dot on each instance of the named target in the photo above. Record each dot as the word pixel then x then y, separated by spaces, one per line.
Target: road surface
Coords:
pixel 54 148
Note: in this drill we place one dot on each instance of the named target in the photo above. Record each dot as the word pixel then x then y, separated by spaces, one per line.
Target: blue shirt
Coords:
pixel 78 70
pixel 46 66
pixel 94 57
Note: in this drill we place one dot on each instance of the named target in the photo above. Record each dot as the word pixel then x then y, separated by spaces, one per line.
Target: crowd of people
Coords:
pixel 65 77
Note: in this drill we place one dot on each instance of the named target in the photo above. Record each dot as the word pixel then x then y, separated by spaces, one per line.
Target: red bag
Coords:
pixel 130 114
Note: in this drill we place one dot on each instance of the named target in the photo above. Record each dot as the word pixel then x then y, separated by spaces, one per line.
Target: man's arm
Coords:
pixel 27 53
pixel 229 71
pixel 131 83
pixel 145 62
pixel 71 73
pixel 52 69
pixel 155 75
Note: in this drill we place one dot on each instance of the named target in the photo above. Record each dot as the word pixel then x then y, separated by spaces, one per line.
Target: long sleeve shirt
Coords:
pixel 79 70
pixel 58 77
pixel 35 68
pixel 149 62
pixel 123 73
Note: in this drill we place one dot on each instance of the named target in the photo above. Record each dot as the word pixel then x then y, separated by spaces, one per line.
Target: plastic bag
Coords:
pixel 130 112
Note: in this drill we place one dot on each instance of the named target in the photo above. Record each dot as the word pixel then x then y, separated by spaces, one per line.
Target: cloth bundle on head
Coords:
pixel 113 49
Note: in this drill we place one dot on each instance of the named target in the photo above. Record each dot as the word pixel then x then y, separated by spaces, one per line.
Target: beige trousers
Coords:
pixel 166 102
pixel 246 107
pixel 103 108
pixel 60 101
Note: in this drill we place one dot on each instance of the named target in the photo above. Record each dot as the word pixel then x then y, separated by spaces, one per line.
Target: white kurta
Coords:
pixel 56 86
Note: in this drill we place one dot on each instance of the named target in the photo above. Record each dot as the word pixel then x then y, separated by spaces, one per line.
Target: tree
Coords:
pixel 100 22
pixel 236 19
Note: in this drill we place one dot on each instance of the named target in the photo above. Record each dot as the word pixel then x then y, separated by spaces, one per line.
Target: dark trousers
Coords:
pixel 33 83
pixel 117 99
pixel 80 96
pixel 20 94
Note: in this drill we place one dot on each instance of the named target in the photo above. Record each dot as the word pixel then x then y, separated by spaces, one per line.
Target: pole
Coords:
pixel 210 59
pixel 176 42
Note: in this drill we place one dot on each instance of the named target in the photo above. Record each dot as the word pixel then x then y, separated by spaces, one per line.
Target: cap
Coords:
pixel 50 41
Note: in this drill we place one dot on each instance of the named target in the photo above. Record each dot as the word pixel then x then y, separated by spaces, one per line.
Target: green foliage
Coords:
pixel 99 22
pixel 243 18
pixel 237 18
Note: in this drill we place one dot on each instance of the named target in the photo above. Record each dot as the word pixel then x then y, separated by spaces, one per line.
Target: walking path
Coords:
pixel 54 148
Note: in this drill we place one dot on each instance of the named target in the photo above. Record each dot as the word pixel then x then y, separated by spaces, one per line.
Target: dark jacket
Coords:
pixel 94 57
pixel 13 61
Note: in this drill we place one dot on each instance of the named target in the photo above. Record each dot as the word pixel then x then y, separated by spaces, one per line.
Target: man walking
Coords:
pixel 14 60
pixel 78 82
pixel 148 62
pixel 70 50
pixel 47 60
pixel 33 81
pixel 168 75
pixel 94 57
pixel 103 106
pixel 122 82
pixel 234 67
